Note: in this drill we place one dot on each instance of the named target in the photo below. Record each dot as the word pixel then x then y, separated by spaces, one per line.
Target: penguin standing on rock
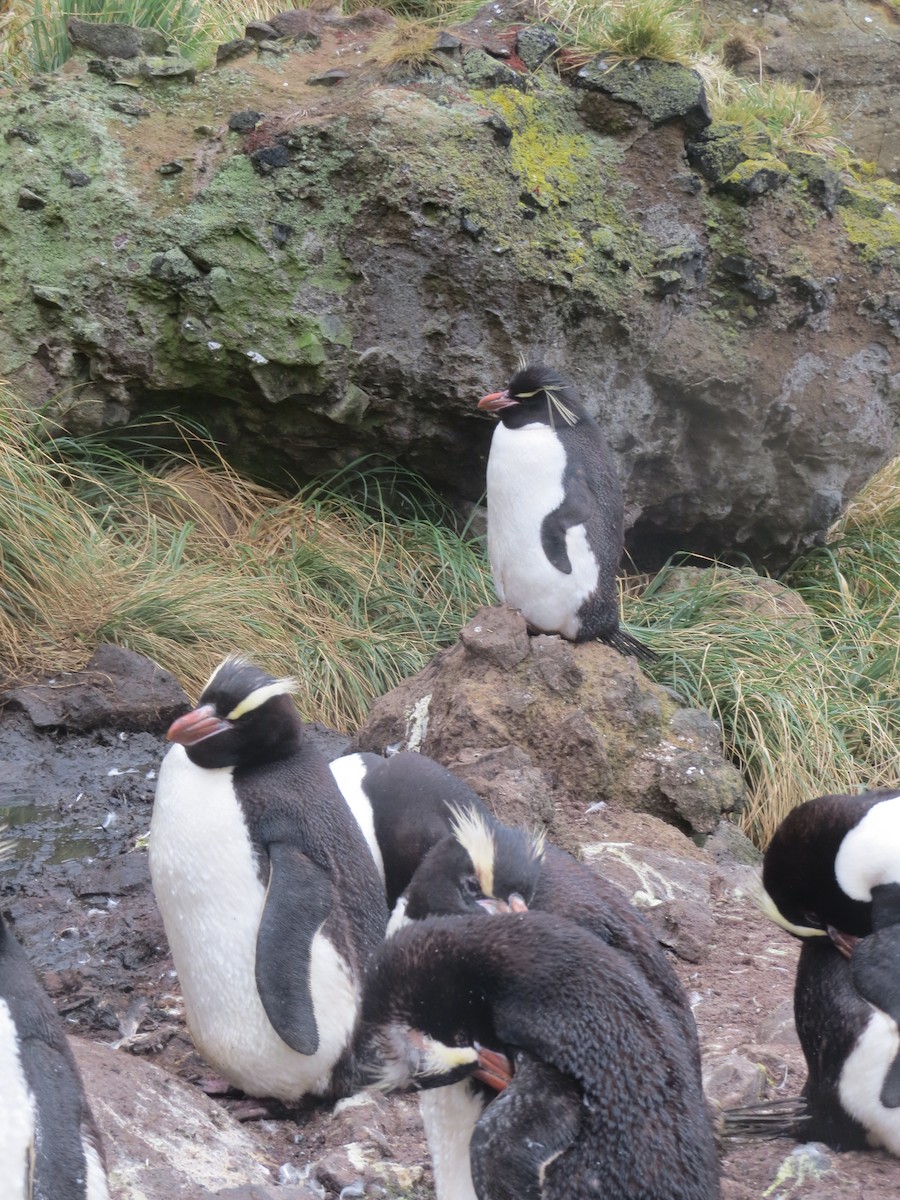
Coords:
pixel 603 1103
pixel 270 896
pixel 50 1148
pixel 555 512
pixel 831 876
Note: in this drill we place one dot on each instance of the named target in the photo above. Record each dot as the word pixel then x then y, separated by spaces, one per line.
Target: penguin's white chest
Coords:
pixel 211 900
pixel 449 1117
pixel 17 1112
pixel 349 771
pixel 524 484
pixel 862 1076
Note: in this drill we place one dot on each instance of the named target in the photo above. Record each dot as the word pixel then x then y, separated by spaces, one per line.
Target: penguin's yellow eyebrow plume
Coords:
pixel 280 687
pixel 472 832
pixel 767 905
pixel 564 411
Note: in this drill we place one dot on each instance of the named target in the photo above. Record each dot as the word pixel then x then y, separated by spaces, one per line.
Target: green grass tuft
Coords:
pixel 806 696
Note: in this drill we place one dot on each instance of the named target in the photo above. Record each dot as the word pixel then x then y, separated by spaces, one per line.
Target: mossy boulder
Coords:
pixel 349 272
pixel 545 730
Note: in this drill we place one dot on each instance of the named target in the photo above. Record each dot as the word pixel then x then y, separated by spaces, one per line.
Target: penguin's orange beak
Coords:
pixel 493 905
pixel 496 401
pixel 196 726
pixel 845 942
pixel 493 1068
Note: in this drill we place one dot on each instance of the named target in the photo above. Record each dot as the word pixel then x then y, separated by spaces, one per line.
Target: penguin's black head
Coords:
pixel 244 716
pixel 480 867
pixel 537 393
pixel 802 892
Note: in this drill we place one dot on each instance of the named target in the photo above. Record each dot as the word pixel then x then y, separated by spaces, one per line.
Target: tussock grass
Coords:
pixel 188 564
pixel 627 29
pixel 808 700
pixel 777 114
pixel 33 32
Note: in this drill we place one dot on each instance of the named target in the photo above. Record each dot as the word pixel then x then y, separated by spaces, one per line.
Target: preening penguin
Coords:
pixel 555 512
pixel 50 1148
pixel 487 867
pixel 831 876
pixel 628 1121
pixel 270 896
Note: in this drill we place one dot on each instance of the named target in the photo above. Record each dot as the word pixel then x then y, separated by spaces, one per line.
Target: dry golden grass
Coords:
pixel 191 563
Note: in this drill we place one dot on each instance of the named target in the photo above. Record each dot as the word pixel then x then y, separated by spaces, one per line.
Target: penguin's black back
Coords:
pixel 575 891
pixel 50 1070
pixel 413 800
pixel 537 983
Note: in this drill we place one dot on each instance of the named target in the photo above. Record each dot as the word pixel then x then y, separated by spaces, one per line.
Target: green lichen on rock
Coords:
pixel 873 230
pixel 755 177
pixel 663 91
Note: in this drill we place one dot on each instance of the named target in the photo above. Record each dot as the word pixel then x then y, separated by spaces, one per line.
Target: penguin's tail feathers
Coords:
pixel 626 643
pixel 767 1119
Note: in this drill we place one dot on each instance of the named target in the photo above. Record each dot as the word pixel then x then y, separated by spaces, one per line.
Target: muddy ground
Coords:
pixel 78 893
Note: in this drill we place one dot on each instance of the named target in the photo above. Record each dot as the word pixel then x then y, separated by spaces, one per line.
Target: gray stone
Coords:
pixel 733 1080
pixel 117 688
pixel 168 68
pixel 536 44
pixel 114 40
pixel 163 1138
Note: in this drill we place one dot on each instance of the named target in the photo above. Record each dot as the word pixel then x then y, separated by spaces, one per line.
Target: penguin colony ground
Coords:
pixel 555 524
pixel 554 1046
pixel 831 876
pixel 50 1148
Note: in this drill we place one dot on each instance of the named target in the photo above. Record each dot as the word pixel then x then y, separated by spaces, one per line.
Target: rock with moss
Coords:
pixel 112 39
pixel 351 272
pixel 662 91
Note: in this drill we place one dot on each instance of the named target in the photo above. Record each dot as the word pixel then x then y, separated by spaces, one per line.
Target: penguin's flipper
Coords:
pixel 875 966
pixel 298 900
pixel 575 509
pixel 523 1130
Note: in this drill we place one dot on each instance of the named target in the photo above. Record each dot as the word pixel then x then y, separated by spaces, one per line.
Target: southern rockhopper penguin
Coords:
pixel 555 524
pixel 269 893
pixel 627 1120
pixel 50 1148
pixel 831 876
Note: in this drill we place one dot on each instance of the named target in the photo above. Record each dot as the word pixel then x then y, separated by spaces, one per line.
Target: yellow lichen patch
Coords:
pixel 548 159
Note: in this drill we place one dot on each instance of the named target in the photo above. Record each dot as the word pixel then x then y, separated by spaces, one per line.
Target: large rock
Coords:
pixel 163 1138
pixel 352 274
pixel 547 731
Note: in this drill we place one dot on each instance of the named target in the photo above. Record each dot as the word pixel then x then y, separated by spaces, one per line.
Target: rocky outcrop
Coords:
pixel 348 272
pixel 848 52
pixel 549 732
